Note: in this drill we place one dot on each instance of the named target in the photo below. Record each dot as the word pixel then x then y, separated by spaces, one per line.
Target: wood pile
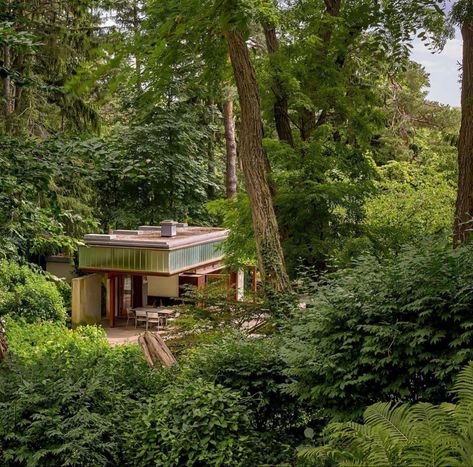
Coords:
pixel 155 350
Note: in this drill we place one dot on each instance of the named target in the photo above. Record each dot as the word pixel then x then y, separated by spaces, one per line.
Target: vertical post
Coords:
pixel 111 300
pixel 229 285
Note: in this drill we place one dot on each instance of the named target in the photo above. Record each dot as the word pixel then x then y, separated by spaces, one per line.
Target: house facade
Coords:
pixel 148 266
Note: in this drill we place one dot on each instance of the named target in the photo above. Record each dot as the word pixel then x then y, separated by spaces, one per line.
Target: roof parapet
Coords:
pixel 127 232
pixel 99 237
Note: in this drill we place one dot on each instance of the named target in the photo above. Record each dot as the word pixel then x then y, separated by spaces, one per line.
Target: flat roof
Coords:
pixel 150 237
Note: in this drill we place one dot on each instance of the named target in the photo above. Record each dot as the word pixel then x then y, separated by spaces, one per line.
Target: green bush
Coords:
pixel 198 423
pixel 399 330
pixel 254 368
pixel 421 435
pixel 25 294
pixel 65 290
pixel 66 396
pixel 415 200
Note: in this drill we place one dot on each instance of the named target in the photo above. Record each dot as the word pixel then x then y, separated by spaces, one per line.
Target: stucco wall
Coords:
pixel 62 269
pixel 86 300
pixel 163 286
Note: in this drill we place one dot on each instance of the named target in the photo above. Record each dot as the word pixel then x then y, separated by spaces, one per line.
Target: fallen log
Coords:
pixel 144 349
pixel 155 350
pixel 3 341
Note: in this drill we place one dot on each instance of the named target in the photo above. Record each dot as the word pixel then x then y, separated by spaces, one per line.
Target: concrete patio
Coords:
pixel 122 334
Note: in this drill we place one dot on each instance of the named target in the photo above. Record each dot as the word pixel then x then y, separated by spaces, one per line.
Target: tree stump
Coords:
pixel 155 350
pixel 3 341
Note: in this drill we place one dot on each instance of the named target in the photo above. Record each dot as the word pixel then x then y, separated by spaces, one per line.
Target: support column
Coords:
pixel 111 299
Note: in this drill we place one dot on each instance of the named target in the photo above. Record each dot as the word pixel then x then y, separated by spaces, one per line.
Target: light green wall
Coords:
pixel 148 260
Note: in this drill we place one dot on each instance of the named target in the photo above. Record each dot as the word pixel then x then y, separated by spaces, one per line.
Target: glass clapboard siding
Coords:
pixel 148 260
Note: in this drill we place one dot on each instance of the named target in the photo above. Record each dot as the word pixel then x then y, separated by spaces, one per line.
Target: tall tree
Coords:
pixel 186 33
pixel 463 14
pixel 268 246
pixel 37 97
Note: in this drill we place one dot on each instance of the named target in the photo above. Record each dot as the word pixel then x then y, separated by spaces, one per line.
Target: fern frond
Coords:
pixel 435 450
pixel 430 418
pixel 465 449
pixel 435 440
pixel 464 384
pixel 464 392
pixel 395 420
pixel 323 453
pixel 375 442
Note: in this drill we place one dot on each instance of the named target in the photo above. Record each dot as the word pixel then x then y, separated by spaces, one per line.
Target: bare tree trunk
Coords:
pixel 268 246
pixel 464 205
pixel 281 106
pixel 231 173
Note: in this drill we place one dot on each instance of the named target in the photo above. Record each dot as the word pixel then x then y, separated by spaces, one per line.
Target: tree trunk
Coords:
pixel 254 163
pixel 231 173
pixel 3 341
pixel 332 8
pixel 281 106
pixel 7 88
pixel 211 166
pixel 464 205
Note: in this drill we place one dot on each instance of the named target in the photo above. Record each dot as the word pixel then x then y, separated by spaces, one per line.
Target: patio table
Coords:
pixel 151 315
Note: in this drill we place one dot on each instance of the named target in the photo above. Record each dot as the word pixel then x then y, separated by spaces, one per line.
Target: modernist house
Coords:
pixel 147 266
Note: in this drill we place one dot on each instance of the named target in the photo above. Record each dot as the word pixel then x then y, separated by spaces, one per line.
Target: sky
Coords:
pixel 443 69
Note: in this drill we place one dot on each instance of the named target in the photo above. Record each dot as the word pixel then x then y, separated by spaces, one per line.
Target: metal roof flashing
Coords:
pixel 99 237
pixel 152 239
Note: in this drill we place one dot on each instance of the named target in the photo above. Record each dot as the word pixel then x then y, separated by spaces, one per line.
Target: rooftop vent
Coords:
pixel 168 228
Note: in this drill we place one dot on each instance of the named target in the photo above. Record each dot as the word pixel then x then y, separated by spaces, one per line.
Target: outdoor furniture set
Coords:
pixel 149 315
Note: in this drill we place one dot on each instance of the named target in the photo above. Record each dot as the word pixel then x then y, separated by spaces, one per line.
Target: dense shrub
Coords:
pixel 65 290
pixel 198 423
pixel 254 368
pixel 29 295
pixel 422 435
pixel 65 396
pixel 415 200
pixel 398 330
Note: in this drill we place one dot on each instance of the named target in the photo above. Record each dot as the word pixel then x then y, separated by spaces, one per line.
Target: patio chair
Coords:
pixel 130 314
pixel 152 317
pixel 141 317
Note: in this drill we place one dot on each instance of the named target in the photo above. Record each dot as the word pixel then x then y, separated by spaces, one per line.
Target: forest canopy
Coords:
pixel 119 114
